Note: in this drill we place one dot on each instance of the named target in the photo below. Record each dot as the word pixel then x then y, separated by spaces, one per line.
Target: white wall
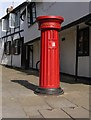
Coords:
pixel 90 7
pixel 31 33
pixel 68 55
pixel 90 55
pixel 7 58
pixel 84 61
pixel 36 53
pixel 2 33
pixel 67 51
pixel 16 60
pixel 69 10
pixel 12 60
pixel 0 43
pixel 83 66
pixel 1 49
pixel 0 28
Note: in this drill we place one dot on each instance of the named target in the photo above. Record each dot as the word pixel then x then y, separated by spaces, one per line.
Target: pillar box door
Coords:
pixel 49 80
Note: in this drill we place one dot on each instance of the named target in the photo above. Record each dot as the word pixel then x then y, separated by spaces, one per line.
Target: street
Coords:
pixel 19 100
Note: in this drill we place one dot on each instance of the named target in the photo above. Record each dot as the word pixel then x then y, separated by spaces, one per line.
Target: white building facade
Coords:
pixel 22 39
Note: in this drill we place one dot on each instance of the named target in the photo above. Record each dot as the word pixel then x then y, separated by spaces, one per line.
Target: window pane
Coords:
pixel 16 47
pixel 17 19
pixel 8 46
pixel 31 13
pixel 83 42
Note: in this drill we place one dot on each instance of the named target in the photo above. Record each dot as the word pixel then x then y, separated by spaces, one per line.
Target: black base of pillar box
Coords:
pixel 49 91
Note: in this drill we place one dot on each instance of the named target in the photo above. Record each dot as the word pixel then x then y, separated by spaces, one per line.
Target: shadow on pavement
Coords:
pixel 29 71
pixel 71 80
pixel 64 78
pixel 26 84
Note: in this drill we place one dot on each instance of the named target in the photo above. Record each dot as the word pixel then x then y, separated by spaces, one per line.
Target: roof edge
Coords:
pixel 16 8
pixel 78 21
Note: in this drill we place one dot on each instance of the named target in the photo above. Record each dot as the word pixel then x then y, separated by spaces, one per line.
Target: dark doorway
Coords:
pixel 23 54
pixel 29 56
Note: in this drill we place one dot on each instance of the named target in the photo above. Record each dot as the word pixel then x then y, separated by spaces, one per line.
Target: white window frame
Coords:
pixel 4 30
pixel 12 20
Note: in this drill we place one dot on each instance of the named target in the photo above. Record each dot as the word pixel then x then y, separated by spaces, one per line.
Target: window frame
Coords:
pixel 7 26
pixel 7 47
pixel 12 20
pixel 82 42
pixel 17 13
pixel 31 19
pixel 16 47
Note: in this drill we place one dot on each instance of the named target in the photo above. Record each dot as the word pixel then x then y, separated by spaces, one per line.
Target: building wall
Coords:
pixel 0 28
pixel 83 66
pixel 16 60
pixel 36 53
pixel 31 33
pixel 69 10
pixel 67 51
pixel 90 55
pixel 13 60
pixel 72 12
pixel 68 55
pixel 0 42
pixel 90 7
pixel 7 58
pixel 84 61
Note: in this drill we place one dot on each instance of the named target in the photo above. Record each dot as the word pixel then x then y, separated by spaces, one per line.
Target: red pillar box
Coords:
pixel 49 82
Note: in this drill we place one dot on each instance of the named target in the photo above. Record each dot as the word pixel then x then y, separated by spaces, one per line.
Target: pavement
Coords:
pixel 19 100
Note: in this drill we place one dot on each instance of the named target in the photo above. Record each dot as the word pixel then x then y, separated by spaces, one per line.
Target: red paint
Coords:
pixel 49 59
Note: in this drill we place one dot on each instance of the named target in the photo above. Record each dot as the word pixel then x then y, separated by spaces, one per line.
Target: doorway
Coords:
pixel 29 56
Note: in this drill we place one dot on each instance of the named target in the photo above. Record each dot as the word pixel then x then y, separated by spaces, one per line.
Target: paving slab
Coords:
pixel 77 112
pixel 39 116
pixel 78 99
pixel 33 101
pixel 0 105
pixel 31 112
pixel 12 109
pixel 20 101
pixel 0 92
pixel 59 102
pixel 13 112
pixel 54 113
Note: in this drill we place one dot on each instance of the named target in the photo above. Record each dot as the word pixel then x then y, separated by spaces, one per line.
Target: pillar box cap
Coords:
pixel 50 22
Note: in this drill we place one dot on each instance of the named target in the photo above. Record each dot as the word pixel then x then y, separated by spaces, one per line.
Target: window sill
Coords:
pixel 16 27
pixel 8 30
pixel 83 55
pixel 16 54
pixel 7 54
